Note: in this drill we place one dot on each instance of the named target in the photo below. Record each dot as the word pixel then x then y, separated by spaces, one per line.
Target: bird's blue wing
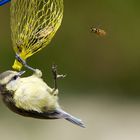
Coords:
pixel 2 2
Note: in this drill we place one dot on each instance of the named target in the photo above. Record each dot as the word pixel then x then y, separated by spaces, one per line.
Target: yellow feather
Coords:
pixel 28 98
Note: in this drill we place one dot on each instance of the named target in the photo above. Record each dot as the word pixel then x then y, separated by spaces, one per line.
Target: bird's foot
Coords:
pixel 56 75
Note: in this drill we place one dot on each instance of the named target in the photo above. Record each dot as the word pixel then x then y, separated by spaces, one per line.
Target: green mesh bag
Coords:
pixel 33 25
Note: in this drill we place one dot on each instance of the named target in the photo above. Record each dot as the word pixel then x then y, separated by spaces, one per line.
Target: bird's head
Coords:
pixel 9 76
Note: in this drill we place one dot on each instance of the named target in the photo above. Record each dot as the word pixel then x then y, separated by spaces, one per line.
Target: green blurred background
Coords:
pixel 103 80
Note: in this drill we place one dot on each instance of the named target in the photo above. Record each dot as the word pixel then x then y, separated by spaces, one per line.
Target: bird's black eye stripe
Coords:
pixel 15 77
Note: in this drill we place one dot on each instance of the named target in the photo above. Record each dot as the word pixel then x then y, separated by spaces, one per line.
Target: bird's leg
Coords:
pixel 56 75
pixel 37 72
pixel 23 62
pixel 54 72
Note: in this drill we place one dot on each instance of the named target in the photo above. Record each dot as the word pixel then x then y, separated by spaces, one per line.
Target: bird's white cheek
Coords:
pixel 13 85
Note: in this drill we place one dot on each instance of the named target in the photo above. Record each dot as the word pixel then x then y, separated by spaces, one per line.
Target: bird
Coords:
pixel 31 96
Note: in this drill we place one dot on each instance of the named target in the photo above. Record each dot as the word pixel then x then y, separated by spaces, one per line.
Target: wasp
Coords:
pixel 98 31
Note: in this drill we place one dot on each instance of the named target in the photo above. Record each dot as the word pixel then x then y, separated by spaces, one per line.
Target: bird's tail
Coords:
pixel 62 114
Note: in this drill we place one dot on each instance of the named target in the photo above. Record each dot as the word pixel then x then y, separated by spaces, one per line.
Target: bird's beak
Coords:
pixel 21 72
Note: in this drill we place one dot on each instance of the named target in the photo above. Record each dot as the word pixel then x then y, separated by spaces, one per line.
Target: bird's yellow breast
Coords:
pixel 32 93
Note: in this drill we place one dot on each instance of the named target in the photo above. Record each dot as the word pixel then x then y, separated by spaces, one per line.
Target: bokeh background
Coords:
pixel 102 86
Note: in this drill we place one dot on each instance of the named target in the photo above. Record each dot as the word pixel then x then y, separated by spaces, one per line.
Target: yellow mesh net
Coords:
pixel 33 25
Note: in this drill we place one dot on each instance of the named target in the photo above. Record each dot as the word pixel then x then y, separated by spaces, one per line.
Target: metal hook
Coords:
pixel 2 2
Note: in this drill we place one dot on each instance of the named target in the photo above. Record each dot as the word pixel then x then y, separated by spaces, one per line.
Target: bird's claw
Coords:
pixel 56 75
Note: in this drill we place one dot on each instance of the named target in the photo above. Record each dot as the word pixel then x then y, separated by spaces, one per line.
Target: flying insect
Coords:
pixel 98 31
